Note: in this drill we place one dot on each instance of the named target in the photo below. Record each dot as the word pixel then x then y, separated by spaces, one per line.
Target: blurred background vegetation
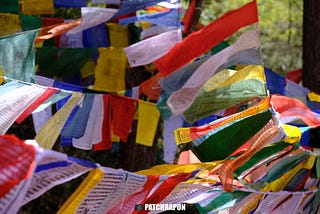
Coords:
pixel 280 27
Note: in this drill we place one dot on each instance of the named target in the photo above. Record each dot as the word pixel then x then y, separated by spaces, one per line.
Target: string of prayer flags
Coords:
pixel 148 118
pixel 291 108
pixel 37 7
pixel 110 70
pixel 51 130
pixel 9 6
pixel 92 16
pixel 93 132
pixel 15 102
pixel 181 53
pixel 18 56
pixel 296 90
pixel 69 3
pixel 245 84
pixel 151 87
pixel 221 142
pixel 103 187
pixel 181 99
pixel 30 22
pixel 148 50
pixel 54 168
pixel 229 166
pixel 187 134
pixel 10 24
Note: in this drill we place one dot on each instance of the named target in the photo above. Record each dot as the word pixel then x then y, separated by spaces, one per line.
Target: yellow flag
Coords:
pixel 37 7
pixel 73 202
pixel 281 183
pixel 49 133
pixel 118 35
pixel 148 118
pixel 169 169
pixel 110 70
pixel 314 97
pixel 293 133
pixel 228 77
pixel 1 76
pixel 10 24
pixel 88 69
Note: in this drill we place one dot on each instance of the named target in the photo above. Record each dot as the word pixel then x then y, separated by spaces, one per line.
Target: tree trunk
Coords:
pixel 311 45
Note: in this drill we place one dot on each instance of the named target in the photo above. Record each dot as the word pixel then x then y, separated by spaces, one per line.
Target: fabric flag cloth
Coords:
pixel 49 133
pixel 122 113
pixel 229 166
pixel 187 134
pixel 54 168
pixel 103 187
pixel 92 16
pixel 148 50
pixel 155 30
pixel 10 24
pixel 95 37
pixel 296 90
pixel 245 84
pixel 29 22
pixel 221 142
pixel 118 35
pixel 49 32
pixel 148 118
pixel 169 145
pixel 18 56
pixel 166 18
pixel 15 102
pixel 36 7
pixel 69 3
pixel 128 6
pixel 275 83
pixel 106 141
pixel 78 123
pixel 151 87
pixel 181 53
pixel 116 2
pixel 93 131
pixel 9 6
pixel 34 105
pixel 295 75
pixel 110 70
pixel 181 99
pixel 8 87
pixel 17 162
pixel 291 107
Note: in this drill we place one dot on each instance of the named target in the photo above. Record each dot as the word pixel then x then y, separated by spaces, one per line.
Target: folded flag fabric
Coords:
pixel 187 134
pixel 181 53
pixel 245 84
pixel 92 16
pixel 148 50
pixel 293 108
pixel 221 142
pixel 181 99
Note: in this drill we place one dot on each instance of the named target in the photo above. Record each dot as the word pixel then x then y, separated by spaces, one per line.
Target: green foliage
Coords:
pixel 280 27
